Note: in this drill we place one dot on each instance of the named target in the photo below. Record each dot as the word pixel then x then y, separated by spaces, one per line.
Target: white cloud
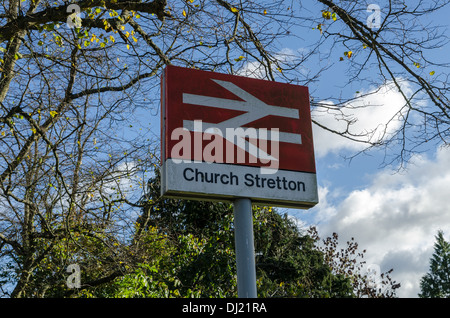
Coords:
pixel 255 69
pixel 373 115
pixel 252 69
pixel 395 218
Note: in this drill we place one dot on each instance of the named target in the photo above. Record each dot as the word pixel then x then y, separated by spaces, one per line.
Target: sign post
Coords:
pixel 237 139
pixel 245 251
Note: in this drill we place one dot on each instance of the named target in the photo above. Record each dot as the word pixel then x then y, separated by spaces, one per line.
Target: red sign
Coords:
pixel 223 100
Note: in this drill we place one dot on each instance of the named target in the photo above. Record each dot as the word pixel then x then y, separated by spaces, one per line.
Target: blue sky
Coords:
pixel 393 214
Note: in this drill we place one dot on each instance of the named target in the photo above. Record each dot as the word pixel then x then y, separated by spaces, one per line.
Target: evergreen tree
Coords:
pixel 436 283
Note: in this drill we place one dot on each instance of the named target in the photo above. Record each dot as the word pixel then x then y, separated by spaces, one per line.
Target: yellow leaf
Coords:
pixel 319 27
pixel 53 113
pixel 184 13
pixel 233 9
pixel 106 24
pixel 128 46
pixel 265 11
pixel 432 72
pixel 326 15
pixel 112 38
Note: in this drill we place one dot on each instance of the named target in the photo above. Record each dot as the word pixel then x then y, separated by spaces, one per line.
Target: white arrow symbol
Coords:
pixel 254 109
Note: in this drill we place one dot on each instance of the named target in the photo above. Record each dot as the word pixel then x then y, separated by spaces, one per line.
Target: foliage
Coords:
pixel 290 265
pixel 185 248
pixel 436 283
pixel 348 262
pixel 203 258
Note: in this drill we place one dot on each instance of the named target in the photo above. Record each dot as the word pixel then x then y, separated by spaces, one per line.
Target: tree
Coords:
pixel 436 283
pixel 349 263
pixel 79 80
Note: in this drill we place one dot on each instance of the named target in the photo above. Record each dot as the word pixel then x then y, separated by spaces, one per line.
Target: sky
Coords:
pixel 393 214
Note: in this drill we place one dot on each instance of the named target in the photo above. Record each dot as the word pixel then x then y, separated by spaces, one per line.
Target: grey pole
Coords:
pixel 245 251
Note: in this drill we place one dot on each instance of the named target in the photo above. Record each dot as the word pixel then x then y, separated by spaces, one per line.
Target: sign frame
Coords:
pixel 184 91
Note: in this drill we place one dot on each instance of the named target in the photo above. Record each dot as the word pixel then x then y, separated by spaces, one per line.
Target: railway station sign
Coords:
pixel 226 137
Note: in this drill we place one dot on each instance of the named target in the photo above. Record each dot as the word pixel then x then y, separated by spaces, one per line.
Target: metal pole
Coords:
pixel 245 251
